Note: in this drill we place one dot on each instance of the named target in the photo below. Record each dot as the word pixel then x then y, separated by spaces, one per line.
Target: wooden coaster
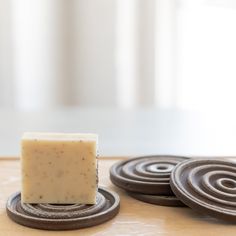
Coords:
pixel 145 175
pixel 64 217
pixel 208 186
pixel 172 201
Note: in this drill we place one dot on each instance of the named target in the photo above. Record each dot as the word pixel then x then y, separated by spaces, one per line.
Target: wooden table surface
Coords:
pixel 135 217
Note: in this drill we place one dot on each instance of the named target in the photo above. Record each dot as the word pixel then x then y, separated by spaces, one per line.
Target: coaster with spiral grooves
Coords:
pixel 145 175
pixel 64 217
pixel 208 186
pixel 147 178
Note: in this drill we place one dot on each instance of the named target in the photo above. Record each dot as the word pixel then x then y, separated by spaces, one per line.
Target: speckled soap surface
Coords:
pixel 54 165
pixel 134 218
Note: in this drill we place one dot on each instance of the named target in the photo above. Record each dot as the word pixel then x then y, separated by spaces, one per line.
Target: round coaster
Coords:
pixel 146 175
pixel 208 186
pixel 158 200
pixel 64 217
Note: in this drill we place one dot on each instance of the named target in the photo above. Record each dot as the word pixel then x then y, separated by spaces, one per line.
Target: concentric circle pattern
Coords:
pixel 64 217
pixel 208 186
pixel 146 175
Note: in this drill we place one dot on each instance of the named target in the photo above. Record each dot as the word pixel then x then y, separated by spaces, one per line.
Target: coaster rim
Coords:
pixel 159 200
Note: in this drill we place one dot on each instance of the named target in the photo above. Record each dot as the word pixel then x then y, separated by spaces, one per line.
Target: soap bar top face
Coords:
pixel 59 168
pixel 59 136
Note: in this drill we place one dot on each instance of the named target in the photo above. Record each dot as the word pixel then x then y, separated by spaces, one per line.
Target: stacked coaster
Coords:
pixel 205 185
pixel 147 178
pixel 208 186
pixel 64 217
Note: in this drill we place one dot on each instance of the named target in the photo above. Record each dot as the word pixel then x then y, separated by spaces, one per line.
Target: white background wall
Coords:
pixel 135 53
pixel 6 60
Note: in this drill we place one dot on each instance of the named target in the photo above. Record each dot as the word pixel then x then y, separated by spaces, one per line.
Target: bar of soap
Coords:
pixel 59 168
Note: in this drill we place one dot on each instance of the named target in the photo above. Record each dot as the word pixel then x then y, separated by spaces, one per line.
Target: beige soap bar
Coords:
pixel 59 168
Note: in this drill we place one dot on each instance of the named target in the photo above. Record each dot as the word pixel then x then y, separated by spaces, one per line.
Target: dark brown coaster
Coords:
pixel 146 175
pixel 158 200
pixel 208 186
pixel 64 217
